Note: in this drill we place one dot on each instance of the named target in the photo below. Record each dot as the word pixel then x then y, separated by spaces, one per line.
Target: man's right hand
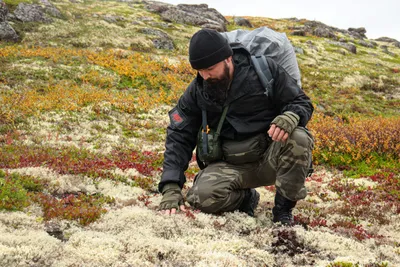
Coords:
pixel 172 199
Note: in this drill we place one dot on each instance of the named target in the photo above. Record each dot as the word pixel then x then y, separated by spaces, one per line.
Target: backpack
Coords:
pixel 263 42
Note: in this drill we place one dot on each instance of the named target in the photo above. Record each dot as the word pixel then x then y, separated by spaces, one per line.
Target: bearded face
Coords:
pixel 217 88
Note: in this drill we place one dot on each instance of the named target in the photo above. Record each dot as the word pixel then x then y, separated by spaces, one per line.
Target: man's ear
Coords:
pixel 228 60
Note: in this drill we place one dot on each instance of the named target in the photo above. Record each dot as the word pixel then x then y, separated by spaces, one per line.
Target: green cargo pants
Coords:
pixel 220 186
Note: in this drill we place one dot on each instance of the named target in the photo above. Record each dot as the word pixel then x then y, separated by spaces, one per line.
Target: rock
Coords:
pixel 386 40
pixel 163 41
pixel 7 33
pixel 348 46
pixel 51 9
pixel 324 32
pixel 364 43
pixel 204 10
pixel 156 32
pixel 3 11
pixel 243 22
pixel 359 33
pixel 299 32
pixel 31 13
pixel 361 30
pixel 113 19
pixel 198 15
pixel 163 44
pixel 214 26
pixel 397 44
pixel 54 230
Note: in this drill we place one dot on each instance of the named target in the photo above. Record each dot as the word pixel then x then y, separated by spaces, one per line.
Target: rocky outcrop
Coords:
pixel 359 33
pixel 243 22
pixel 366 44
pixel 322 30
pixel 348 46
pixel 31 13
pixel 7 33
pixel 161 40
pixel 51 9
pixel 3 11
pixel 198 15
pixel 386 40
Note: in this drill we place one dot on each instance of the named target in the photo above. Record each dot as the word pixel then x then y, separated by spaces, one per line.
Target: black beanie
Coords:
pixel 207 48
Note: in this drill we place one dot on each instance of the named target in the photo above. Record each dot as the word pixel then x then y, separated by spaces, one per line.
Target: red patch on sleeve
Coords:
pixel 177 118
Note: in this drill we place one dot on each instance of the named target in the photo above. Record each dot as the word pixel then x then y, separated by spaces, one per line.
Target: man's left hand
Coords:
pixel 277 134
pixel 283 125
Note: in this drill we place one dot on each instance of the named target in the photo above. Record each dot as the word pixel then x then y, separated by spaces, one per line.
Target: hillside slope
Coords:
pixel 85 88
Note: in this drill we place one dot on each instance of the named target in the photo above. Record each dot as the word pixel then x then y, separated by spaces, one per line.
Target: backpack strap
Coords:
pixel 261 67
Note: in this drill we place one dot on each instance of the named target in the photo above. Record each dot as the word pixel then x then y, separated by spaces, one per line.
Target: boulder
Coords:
pixel 163 44
pixel 358 33
pixel 7 33
pixel 386 40
pixel 324 32
pixel 31 13
pixel 320 29
pixel 198 15
pixel 348 46
pixel 243 22
pixel 113 19
pixel 364 43
pixel 161 40
pixel 299 33
pixel 51 9
pixel 360 30
pixel 3 11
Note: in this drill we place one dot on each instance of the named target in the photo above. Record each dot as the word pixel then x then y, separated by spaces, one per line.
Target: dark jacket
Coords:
pixel 251 111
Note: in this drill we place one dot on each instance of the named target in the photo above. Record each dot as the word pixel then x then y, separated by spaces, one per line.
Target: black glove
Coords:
pixel 172 197
pixel 287 121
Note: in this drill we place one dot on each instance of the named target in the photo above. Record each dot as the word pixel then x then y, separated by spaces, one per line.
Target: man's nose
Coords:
pixel 204 74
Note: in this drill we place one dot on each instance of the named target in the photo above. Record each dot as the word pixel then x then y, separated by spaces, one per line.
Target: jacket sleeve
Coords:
pixel 288 96
pixel 185 121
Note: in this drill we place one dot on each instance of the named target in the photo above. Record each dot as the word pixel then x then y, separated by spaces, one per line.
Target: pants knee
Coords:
pixel 302 137
pixel 213 201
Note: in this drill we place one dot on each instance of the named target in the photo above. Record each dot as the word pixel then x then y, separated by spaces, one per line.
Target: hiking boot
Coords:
pixel 250 202
pixel 283 210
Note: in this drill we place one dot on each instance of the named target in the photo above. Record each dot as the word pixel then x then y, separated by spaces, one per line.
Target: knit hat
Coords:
pixel 207 48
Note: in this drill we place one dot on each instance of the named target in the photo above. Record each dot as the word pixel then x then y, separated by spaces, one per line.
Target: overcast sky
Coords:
pixel 380 18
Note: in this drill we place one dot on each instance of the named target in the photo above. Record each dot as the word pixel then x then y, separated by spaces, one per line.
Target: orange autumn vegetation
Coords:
pixel 356 139
pixel 156 81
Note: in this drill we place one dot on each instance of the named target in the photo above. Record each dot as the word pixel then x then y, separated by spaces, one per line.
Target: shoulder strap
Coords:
pixel 261 67
pixel 204 132
pixel 206 128
pixel 221 120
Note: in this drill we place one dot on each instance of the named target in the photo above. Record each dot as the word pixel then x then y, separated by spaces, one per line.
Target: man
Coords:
pixel 226 78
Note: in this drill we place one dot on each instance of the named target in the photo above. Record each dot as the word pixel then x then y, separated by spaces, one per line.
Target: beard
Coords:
pixel 217 89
